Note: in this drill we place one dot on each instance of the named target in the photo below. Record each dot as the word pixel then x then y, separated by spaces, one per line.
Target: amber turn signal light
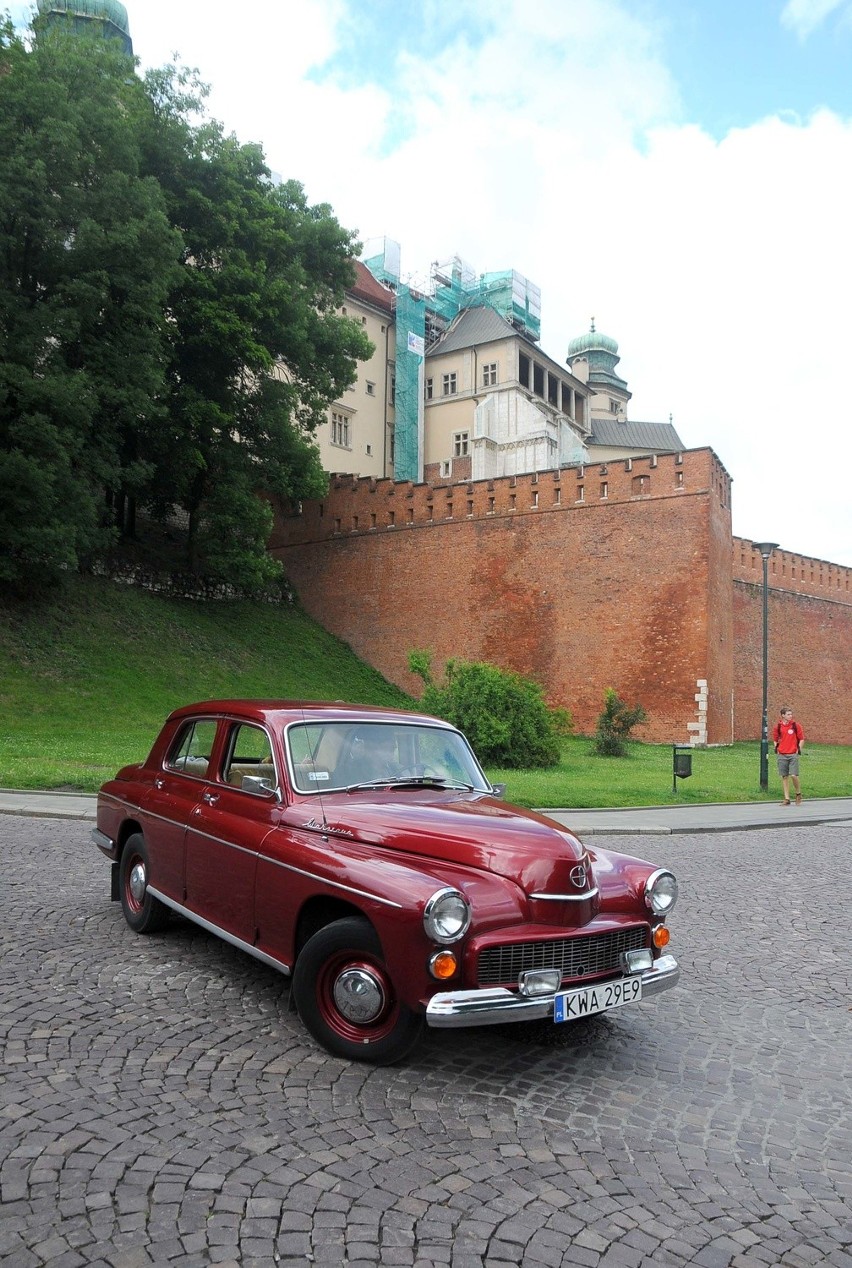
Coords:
pixel 443 964
pixel 661 936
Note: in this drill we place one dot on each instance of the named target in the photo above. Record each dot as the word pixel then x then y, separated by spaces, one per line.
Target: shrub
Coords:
pixel 504 715
pixel 615 725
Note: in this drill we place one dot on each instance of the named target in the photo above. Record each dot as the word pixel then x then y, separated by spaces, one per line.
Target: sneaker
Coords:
pixel 786 801
pixel 798 799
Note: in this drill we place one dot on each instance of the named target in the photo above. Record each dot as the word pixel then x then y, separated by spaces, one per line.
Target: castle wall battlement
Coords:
pixel 798 574
pixel 641 587
pixel 358 505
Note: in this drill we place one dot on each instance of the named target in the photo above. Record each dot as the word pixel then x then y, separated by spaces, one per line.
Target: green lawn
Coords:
pixel 644 777
pixel 87 678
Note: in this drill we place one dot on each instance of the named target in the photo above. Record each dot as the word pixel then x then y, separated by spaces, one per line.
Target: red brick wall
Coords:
pixel 579 585
pixel 810 643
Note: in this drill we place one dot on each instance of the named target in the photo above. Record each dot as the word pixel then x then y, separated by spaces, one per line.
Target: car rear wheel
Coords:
pixel 346 998
pixel 142 911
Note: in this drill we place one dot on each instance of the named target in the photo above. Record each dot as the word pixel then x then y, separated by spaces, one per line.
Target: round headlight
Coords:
pixel 661 892
pixel 447 916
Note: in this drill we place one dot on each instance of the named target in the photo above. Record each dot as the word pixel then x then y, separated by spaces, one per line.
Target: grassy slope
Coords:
pixel 87 678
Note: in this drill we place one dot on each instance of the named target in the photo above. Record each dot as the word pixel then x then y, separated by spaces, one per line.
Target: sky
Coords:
pixel 680 170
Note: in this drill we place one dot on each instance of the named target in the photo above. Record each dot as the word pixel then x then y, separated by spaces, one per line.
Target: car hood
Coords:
pixel 467 829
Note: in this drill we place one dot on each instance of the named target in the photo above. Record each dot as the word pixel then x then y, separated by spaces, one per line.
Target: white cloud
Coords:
pixel 804 16
pixel 554 142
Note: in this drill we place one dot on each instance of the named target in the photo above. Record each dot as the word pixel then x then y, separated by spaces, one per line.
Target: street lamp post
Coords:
pixel 766 549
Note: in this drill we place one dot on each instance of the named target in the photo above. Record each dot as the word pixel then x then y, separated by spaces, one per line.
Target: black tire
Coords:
pixel 349 952
pixel 142 911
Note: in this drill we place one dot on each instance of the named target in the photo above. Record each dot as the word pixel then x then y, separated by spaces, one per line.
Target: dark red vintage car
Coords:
pixel 364 852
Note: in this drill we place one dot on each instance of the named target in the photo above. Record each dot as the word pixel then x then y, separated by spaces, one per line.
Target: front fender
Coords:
pixel 390 890
pixel 621 880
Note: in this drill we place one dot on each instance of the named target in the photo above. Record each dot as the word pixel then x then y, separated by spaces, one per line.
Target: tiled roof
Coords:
pixel 655 437
pixel 370 291
pixel 474 326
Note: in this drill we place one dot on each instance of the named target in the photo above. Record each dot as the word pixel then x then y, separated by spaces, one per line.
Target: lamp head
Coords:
pixel 765 548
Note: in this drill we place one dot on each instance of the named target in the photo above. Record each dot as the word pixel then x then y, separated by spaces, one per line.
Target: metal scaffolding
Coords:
pixel 423 313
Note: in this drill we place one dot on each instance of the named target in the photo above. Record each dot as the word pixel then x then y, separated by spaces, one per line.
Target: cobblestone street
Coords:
pixel 161 1104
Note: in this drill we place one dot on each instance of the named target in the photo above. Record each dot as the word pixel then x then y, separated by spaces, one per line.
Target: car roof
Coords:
pixel 283 712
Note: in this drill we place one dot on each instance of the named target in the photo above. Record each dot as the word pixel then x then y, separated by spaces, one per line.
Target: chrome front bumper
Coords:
pixel 492 1006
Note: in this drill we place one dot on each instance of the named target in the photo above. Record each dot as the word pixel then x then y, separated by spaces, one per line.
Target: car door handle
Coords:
pixel 210 798
pixel 159 783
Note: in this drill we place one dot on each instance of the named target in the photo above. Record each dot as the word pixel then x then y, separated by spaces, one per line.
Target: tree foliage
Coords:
pixel 87 257
pixel 503 714
pixel 169 325
pixel 615 725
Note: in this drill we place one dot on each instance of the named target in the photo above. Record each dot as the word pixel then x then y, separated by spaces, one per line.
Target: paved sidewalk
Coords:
pixel 719 817
pixel 722 817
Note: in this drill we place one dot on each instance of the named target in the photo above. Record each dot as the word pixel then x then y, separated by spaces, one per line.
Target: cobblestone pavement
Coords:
pixel 160 1103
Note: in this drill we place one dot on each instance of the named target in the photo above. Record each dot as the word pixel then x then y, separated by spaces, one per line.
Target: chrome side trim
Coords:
pixel 323 880
pixel 566 898
pixel 118 801
pixel 208 836
pixel 288 867
pixel 221 933
pixel 494 1005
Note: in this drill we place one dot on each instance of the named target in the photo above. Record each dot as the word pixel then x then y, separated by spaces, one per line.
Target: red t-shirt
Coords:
pixel 787 736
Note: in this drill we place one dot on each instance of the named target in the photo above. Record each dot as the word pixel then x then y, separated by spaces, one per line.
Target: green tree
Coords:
pixel 615 725
pixel 170 333
pixel 87 258
pixel 258 350
pixel 503 714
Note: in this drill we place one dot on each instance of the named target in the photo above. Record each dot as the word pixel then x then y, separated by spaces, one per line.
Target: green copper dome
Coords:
pixel 104 10
pixel 109 16
pixel 592 342
pixel 601 353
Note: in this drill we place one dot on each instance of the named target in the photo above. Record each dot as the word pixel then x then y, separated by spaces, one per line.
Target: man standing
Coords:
pixel 789 738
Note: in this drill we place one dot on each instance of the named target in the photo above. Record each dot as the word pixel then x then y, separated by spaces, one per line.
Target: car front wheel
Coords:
pixel 142 911
pixel 346 998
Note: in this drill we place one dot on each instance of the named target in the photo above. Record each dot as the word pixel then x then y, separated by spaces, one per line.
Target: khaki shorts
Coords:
pixel 788 764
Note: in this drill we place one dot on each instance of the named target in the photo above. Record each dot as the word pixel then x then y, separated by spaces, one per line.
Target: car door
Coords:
pixel 167 808
pixel 236 811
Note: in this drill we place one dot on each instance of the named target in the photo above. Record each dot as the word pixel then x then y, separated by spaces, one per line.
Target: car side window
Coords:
pixel 248 763
pixel 191 751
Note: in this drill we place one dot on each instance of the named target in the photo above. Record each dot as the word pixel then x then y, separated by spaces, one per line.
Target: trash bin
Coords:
pixel 681 764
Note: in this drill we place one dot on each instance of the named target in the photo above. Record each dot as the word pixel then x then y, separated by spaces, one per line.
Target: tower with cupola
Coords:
pixel 592 358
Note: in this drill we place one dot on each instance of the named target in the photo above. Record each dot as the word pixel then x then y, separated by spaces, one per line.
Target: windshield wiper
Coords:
pixel 411 781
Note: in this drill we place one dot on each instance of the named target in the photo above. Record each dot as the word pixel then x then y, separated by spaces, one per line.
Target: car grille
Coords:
pixel 576 957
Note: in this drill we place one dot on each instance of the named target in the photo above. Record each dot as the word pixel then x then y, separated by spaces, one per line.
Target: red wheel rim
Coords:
pixel 356 981
pixel 135 882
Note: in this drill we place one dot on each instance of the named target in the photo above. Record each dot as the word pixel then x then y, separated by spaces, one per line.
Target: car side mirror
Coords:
pixel 258 786
pixel 499 790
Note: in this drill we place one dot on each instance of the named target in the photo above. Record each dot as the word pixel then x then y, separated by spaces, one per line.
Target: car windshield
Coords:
pixel 332 756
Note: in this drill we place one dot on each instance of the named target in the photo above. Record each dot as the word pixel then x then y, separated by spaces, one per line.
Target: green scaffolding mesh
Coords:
pixel 509 293
pixel 410 348
pixel 422 318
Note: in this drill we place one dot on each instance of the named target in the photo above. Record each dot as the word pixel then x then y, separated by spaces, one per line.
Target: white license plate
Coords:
pixel 571 1005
